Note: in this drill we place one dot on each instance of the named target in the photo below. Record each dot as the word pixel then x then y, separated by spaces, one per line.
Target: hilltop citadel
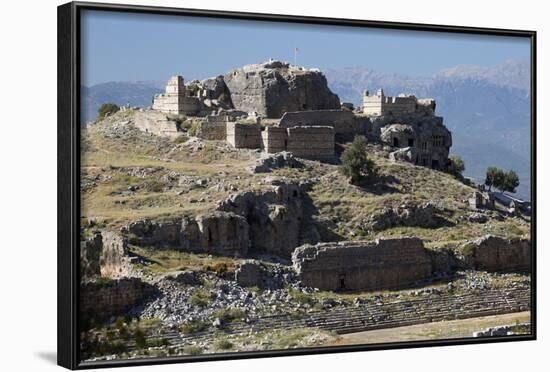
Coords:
pixel 230 186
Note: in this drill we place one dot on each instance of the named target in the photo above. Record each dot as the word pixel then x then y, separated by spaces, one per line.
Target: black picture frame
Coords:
pixel 68 148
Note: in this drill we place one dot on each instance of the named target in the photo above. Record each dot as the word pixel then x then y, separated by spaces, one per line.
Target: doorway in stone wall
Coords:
pixel 342 281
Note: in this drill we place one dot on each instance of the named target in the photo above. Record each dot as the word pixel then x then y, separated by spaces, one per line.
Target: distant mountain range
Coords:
pixel 486 108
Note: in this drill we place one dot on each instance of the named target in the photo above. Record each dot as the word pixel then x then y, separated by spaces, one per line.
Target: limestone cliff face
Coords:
pixel 273 88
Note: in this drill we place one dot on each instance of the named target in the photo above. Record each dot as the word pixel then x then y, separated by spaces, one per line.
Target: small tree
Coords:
pixel 458 163
pixel 493 177
pixel 501 180
pixel 107 109
pixel 510 181
pixel 355 162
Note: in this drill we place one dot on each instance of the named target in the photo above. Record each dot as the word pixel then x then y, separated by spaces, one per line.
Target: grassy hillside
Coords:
pixel 128 174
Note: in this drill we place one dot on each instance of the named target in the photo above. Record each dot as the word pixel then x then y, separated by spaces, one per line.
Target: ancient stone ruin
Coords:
pixel 492 253
pixel 177 99
pixel 274 87
pixel 305 117
pixel 382 105
pixel 384 263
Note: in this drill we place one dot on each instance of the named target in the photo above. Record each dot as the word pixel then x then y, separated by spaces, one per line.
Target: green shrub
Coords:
pixel 107 109
pixel 139 338
pixel 223 344
pixel 457 163
pixel 355 162
pixel 181 139
pixel 158 342
pixel 194 327
pixel 229 315
pixel 200 297
pixel 301 297
pixel 467 250
pixel 502 180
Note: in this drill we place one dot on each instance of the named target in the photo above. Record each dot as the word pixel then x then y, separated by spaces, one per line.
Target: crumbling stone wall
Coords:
pixel 156 123
pixel 380 104
pixel 343 121
pixel 310 142
pixel 104 254
pixel 100 300
pixel 363 265
pixel 244 135
pixel 176 99
pixel 219 233
pixel 493 253
pixel 314 142
pixel 481 200
pixel 214 127
pixel 274 139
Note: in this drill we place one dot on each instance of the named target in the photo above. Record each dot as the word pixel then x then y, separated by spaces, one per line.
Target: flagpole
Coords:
pixel 295 52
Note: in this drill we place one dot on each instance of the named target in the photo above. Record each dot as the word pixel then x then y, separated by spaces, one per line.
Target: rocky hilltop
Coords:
pixel 273 88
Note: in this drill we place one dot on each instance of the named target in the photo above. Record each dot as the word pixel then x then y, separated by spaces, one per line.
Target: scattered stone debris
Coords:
pixel 505 330
pixel 477 218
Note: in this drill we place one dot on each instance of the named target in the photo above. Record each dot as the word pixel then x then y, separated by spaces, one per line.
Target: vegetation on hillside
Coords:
pixel 355 162
pixel 107 109
pixel 457 164
pixel 501 179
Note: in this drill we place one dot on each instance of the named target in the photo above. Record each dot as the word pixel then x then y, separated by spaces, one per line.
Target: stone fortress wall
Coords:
pixel 306 128
pixel 362 265
pixel 274 139
pixel 380 105
pixel 398 262
pixel 176 100
pixel 157 123
pixel 311 142
pixel 246 136
pixel 343 121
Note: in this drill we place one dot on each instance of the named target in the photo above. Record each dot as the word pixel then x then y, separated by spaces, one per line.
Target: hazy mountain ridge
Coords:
pixel 486 108
pixel 134 93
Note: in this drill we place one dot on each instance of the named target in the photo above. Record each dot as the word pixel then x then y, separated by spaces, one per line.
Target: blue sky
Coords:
pixel 125 46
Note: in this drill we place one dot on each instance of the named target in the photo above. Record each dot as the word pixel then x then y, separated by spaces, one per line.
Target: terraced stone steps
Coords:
pixel 383 315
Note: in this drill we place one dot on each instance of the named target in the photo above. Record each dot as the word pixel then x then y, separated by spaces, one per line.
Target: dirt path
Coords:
pixel 431 331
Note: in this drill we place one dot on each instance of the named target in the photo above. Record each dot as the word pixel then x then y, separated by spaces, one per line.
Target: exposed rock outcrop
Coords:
pixel 273 88
pixel 422 215
pixel 104 254
pixel 277 218
pixel 220 233
pixel 267 162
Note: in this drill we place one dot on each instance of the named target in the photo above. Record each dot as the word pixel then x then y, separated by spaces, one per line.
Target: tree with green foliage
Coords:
pixel 510 181
pixel 355 162
pixel 501 180
pixel 107 109
pixel 458 163
pixel 493 177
